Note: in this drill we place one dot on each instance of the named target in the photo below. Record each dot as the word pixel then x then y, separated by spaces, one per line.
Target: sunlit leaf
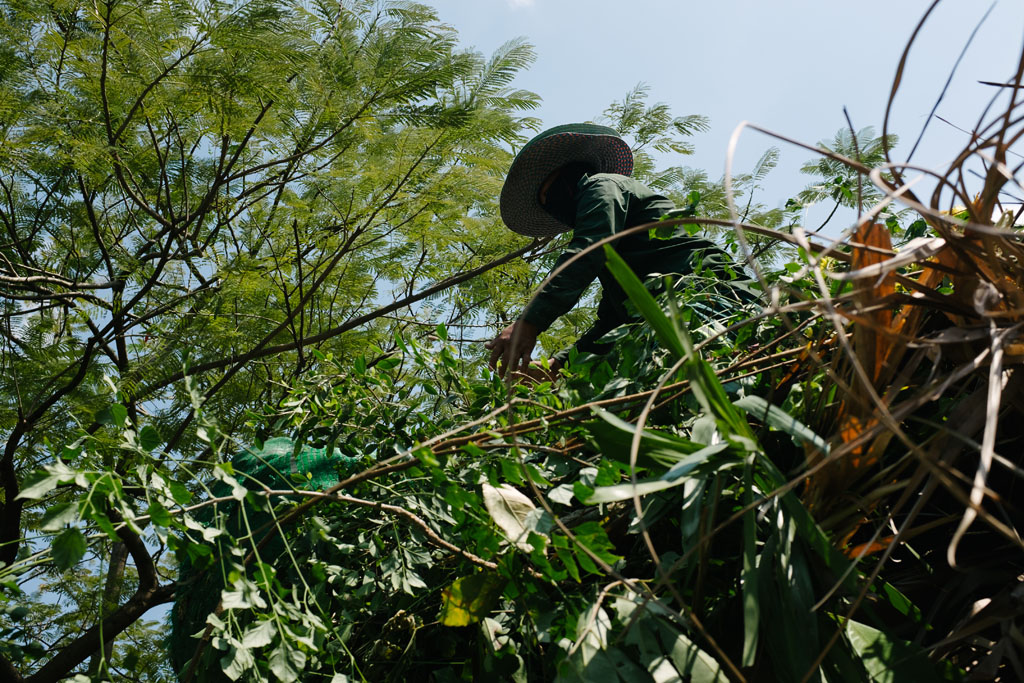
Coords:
pixel 509 509
pixel 471 598
pixel 68 548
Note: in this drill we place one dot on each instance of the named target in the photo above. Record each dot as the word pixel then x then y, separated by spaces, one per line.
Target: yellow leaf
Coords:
pixel 471 598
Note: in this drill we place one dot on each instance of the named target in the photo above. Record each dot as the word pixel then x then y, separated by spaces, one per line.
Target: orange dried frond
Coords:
pixel 872 340
pixel 868 548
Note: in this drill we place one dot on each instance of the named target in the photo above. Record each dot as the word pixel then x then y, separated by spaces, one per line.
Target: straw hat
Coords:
pixel 599 146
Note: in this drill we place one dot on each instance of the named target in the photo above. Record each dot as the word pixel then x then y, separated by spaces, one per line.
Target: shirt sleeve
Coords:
pixel 600 212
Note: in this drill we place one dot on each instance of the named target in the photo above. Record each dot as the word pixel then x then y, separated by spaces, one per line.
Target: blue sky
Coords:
pixel 787 65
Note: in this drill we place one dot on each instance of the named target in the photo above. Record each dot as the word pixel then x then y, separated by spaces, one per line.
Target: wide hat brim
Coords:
pixel 598 146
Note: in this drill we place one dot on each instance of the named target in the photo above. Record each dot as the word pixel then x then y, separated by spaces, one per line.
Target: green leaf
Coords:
pixel 426 455
pixel 561 494
pixel 179 493
pixel 615 438
pixel 58 516
pixel 786 591
pixel 159 515
pixel 695 665
pixel 68 548
pixel 236 662
pixel 891 660
pixel 260 635
pixel 676 476
pixel 662 232
pixel 16 612
pixel 114 414
pixel 900 602
pixel 750 574
pixel 916 229
pixel 244 594
pixel 471 598
pixel 565 555
pixel 593 536
pixel 712 397
pixel 760 409
pixel 149 438
pixel 286 662
pixel 649 309
pixel 41 482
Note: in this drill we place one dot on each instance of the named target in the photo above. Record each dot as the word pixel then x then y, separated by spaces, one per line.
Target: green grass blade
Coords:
pixel 645 304
pixel 778 418
pixel 751 604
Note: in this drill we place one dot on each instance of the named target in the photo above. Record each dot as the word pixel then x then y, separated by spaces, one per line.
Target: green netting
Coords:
pixel 200 589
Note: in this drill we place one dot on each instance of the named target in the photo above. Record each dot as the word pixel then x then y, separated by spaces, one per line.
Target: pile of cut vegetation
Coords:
pixel 817 486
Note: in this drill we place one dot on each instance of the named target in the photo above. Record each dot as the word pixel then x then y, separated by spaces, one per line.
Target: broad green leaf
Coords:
pixel 691 462
pixel 776 417
pixel 471 598
pixel 712 397
pixel 676 476
pixel 561 494
pixel 58 516
pixel 39 483
pixel 565 555
pixel 286 662
pixel 768 477
pixel 149 438
pixel 615 438
pixel 900 602
pixel 236 662
pixel 260 635
pixel 178 491
pixel 667 334
pixel 224 472
pixel 159 515
pixel 114 414
pixel 786 593
pixel 693 664
pixel 611 494
pixel 68 548
pixel 593 536
pixel 891 660
pixel 209 532
pixel 592 631
pixel 243 595
pixel 16 612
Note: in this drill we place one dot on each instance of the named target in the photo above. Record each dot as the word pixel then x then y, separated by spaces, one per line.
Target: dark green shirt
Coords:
pixel 607 204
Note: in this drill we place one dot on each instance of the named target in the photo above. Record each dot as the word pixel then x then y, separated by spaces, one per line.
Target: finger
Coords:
pixel 499 361
pixel 523 360
pixel 497 351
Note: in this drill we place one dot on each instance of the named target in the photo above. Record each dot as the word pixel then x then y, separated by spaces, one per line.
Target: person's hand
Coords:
pixel 537 373
pixel 512 348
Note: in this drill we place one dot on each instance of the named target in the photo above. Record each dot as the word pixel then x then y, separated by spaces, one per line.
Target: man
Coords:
pixel 576 177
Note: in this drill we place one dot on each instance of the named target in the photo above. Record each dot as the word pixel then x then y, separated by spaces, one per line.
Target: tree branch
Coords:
pixel 261 352
pixel 148 594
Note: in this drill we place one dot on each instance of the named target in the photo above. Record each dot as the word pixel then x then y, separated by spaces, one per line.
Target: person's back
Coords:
pixel 576 177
